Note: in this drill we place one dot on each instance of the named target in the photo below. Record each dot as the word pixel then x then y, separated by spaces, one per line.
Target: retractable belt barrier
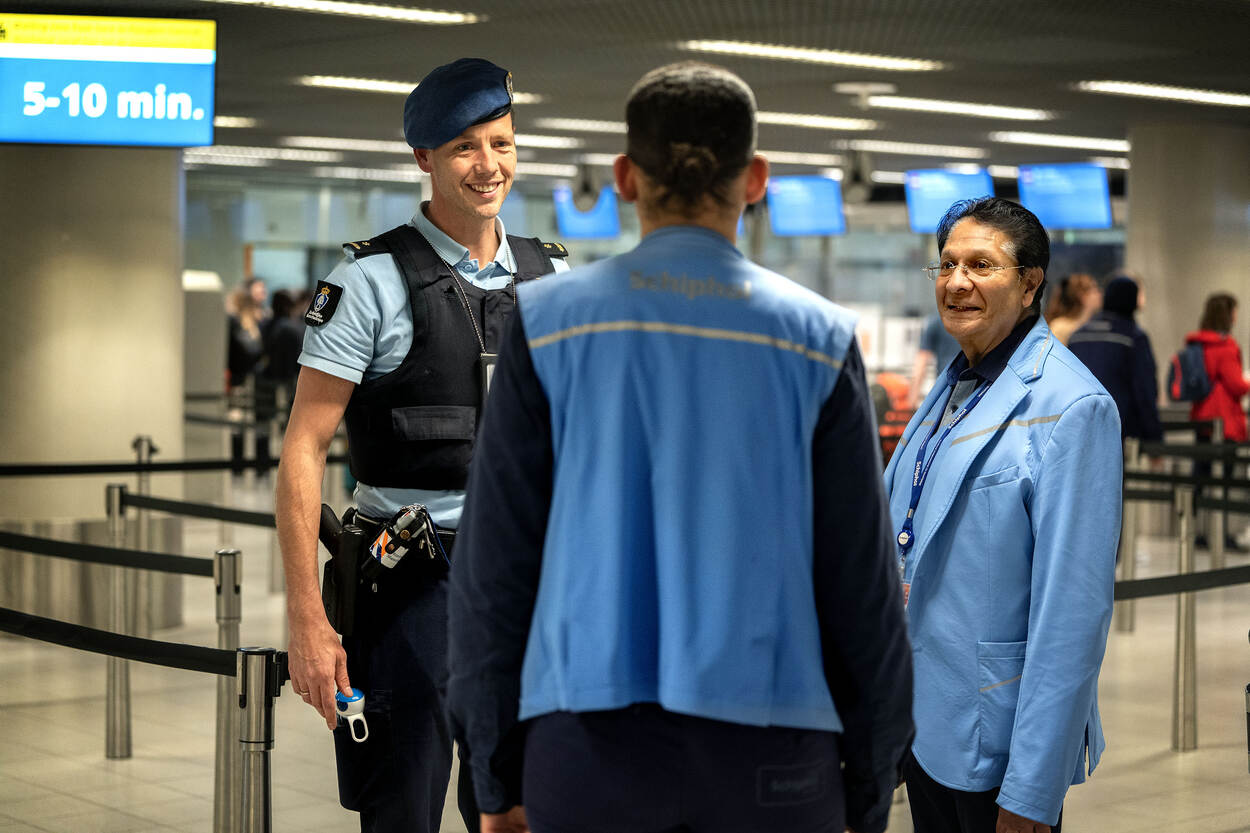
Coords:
pixel 199 510
pixel 95 554
pixel 151 651
pixel 39 469
pixel 1204 451
pixel 1186 583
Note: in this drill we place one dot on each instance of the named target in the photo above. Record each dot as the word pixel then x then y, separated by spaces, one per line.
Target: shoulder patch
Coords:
pixel 364 248
pixel 555 250
pixel 324 302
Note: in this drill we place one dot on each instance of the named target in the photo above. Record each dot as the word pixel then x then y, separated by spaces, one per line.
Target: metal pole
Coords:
pixel 1218 525
pixel 1185 685
pixel 117 693
pixel 1248 718
pixel 257 686
pixel 141 583
pixel 1126 611
pixel 227 573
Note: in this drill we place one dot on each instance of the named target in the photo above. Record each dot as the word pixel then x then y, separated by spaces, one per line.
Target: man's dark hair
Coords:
pixel 1027 241
pixel 691 128
pixel 1217 313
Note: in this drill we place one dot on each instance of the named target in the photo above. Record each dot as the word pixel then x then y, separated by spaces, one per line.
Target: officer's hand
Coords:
pixel 512 821
pixel 1009 822
pixel 317 663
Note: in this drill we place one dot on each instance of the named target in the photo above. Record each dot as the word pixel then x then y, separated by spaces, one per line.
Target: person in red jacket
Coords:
pixel 1223 363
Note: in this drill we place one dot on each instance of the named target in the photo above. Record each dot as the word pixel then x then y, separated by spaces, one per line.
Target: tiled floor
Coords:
pixel 54 777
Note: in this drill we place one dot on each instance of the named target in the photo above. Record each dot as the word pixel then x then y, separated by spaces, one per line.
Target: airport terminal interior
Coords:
pixel 137 215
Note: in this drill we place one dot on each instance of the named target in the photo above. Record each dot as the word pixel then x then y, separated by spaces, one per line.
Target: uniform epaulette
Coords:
pixel 364 248
pixel 555 250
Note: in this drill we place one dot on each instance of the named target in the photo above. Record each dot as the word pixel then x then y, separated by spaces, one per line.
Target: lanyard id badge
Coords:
pixel 920 475
pixel 486 364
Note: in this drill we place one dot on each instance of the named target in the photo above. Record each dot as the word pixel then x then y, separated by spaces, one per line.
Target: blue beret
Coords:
pixel 453 97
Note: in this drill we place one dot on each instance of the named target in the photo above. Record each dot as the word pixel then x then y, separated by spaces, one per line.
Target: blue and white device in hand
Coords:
pixel 352 709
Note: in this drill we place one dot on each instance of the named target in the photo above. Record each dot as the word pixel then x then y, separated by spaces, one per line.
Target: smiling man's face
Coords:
pixel 472 173
pixel 979 312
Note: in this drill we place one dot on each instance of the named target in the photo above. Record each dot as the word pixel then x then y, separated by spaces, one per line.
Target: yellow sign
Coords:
pixel 66 30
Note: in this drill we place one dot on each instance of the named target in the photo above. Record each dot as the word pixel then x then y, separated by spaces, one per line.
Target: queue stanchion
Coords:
pixel 1126 611
pixel 1185 684
pixel 258 684
pixel 1218 523
pixel 117 691
pixel 141 583
pixel 227 573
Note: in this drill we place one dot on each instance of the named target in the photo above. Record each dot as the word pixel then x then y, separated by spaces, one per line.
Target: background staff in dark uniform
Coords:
pixel 397 338
pixel 676 566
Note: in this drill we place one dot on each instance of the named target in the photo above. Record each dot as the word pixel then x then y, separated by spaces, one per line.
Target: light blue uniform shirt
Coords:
pixel 371 332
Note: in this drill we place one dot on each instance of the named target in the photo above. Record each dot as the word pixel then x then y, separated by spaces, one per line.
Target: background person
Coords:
pixel 1118 353
pixel 936 347
pixel 1005 493
pixel 675 566
pixel 396 344
pixel 1074 300
pixel 1222 357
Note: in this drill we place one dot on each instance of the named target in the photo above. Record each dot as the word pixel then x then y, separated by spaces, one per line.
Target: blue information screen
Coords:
pixel 600 221
pixel 1067 196
pixel 931 192
pixel 805 205
pixel 106 81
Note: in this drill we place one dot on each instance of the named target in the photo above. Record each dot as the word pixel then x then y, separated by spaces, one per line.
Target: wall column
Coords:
pixel 1188 227
pixel 91 316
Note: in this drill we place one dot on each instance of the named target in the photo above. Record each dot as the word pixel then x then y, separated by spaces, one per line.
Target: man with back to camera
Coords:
pixel 400 341
pixel 676 565
pixel 1005 492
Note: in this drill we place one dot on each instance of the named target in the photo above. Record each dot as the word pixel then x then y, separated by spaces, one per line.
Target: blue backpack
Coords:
pixel 1187 375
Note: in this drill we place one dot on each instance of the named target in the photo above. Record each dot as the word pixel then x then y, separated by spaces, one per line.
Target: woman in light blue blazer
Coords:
pixel 1005 493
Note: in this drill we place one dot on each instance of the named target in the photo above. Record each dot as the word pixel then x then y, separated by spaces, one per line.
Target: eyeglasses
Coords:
pixel 979 268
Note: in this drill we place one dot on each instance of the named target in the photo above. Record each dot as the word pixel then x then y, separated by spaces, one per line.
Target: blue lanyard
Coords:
pixel 907 536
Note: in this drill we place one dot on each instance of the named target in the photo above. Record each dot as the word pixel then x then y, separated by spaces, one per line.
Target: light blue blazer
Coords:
pixel 1011 578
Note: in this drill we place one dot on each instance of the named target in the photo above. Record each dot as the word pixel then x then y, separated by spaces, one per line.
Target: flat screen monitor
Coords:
pixel 931 192
pixel 1067 196
pixel 106 80
pixel 805 205
pixel 601 221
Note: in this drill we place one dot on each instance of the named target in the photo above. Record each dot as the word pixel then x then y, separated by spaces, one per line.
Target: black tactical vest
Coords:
pixel 413 428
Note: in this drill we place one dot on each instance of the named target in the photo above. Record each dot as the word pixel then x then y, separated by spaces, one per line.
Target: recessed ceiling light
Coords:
pixel 601 159
pixel 1186 94
pixel 1118 163
pixel 888 177
pixel 1055 140
pixel 279 154
pixel 786 157
pixel 832 173
pixel 957 108
pixel 546 169
pixel 814 121
pixel 1003 171
pixel 335 143
pixel 194 161
pixel 913 149
pixel 370 174
pixel 381 85
pixel 234 121
pixel 806 55
pixel 963 168
pixel 371 10
pixel 533 140
pixel 581 125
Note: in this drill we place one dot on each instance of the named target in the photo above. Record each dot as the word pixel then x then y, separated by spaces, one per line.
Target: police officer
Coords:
pixel 400 341
pixel 701 627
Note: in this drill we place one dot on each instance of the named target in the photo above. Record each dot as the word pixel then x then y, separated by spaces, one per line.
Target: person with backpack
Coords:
pixel 1222 362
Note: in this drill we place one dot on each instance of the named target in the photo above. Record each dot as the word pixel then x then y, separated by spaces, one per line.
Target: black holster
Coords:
pixel 340 580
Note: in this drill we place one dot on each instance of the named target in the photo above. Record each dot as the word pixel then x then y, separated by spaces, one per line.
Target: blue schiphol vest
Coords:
pixel 685 384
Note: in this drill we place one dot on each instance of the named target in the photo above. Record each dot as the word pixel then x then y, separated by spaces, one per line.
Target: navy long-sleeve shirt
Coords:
pixel 498 560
